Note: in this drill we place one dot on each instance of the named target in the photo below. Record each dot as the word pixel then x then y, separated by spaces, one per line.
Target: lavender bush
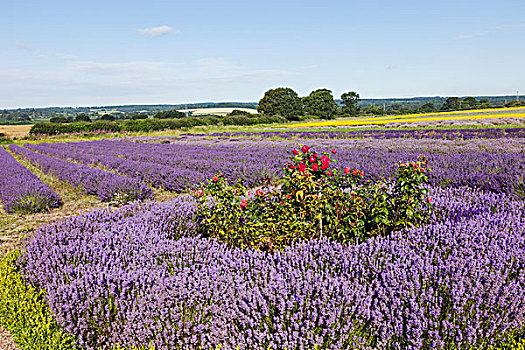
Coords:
pixel 20 190
pixel 179 166
pixel 105 185
pixel 139 276
pixel 428 133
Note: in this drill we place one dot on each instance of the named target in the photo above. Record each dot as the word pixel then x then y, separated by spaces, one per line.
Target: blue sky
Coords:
pixel 87 53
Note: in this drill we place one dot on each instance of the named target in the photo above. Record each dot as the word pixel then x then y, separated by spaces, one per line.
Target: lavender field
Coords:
pixel 142 276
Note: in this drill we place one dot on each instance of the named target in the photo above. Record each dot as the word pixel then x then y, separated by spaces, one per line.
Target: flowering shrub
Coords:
pixel 312 200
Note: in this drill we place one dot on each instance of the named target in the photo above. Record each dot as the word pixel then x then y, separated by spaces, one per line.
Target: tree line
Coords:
pixel 319 103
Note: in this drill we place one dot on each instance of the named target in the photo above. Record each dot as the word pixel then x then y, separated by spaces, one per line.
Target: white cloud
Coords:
pixel 105 83
pixel 158 31
pixel 465 36
pixel 496 29
pixel 22 45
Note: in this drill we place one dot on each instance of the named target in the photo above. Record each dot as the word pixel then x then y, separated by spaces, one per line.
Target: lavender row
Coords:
pixel 190 164
pixel 105 185
pixel 435 134
pixel 139 276
pixel 173 167
pixel 154 174
pixel 21 190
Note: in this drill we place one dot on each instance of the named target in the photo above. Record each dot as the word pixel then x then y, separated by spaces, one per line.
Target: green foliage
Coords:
pixel 25 314
pixel 350 101
pixel 320 103
pixel 108 117
pixel 83 118
pixel 374 110
pixel 169 114
pixel 311 200
pixel 146 125
pixel 58 120
pixel 139 116
pixel 281 101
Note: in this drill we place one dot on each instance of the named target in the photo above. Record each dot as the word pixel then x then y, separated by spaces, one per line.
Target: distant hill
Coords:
pixel 415 102
pixel 25 115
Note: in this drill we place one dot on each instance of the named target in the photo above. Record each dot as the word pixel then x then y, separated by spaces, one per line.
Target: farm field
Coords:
pixel 471 115
pixel 136 255
pixel 15 130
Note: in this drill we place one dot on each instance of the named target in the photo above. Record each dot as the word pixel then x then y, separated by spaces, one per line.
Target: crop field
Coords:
pixel 481 114
pixel 15 130
pixel 370 239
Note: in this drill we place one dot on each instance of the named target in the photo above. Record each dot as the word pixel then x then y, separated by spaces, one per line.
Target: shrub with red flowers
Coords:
pixel 312 199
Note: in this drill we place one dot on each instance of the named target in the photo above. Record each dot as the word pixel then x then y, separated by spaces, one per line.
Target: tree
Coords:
pixel 107 117
pixel 173 114
pixel 58 119
pixel 320 103
pixel 427 107
pixel 374 110
pixel 350 101
pixel 281 101
pixel 83 118
pixel 139 116
pixel 451 104
pixel 238 112
pixel 469 102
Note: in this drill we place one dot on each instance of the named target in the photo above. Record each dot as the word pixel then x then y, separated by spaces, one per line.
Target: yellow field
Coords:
pixel 15 130
pixel 408 118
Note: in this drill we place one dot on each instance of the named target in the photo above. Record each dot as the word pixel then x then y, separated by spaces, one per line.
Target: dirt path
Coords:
pixel 6 341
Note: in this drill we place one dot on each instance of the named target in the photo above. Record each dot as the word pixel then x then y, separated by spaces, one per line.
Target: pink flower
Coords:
pixel 315 167
pixel 301 167
pixel 305 149
pixel 312 159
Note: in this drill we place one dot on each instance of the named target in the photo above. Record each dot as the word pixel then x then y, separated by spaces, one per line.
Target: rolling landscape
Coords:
pixel 314 213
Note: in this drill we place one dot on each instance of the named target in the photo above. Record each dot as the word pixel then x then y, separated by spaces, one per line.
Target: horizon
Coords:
pixel 67 54
pixel 228 101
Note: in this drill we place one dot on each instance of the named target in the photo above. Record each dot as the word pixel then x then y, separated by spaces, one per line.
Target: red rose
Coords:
pixel 333 151
pixel 294 152
pixel 312 159
pixel 347 171
pixel 215 179
pixel 355 172
pixel 301 167
pixel 329 172
pixel 288 197
pixel 362 173
pixel 315 167
pixel 305 149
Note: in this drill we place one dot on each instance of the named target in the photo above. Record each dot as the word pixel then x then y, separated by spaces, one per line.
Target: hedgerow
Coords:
pixel 145 125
